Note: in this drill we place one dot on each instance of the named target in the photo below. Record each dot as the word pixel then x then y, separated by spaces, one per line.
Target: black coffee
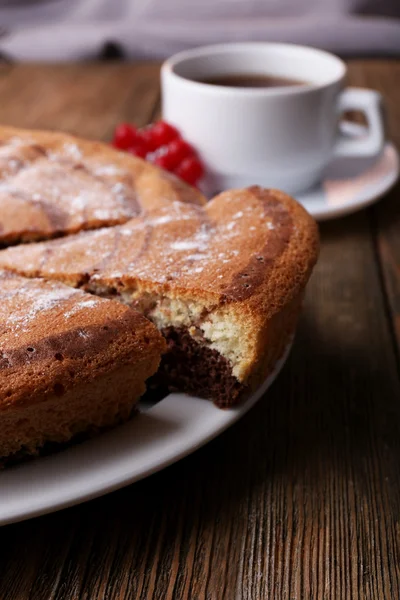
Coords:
pixel 250 80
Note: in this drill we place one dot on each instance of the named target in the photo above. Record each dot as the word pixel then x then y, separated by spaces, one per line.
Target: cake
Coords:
pixel 223 282
pixel 54 184
pixel 69 362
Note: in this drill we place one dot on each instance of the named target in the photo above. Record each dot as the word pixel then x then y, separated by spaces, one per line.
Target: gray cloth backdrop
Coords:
pixel 76 29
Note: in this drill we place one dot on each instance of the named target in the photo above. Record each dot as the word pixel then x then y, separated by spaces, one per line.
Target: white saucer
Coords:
pixel 352 183
pixel 164 433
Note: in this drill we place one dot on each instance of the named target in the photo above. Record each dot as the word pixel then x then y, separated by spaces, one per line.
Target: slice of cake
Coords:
pixel 53 184
pixel 69 362
pixel 223 282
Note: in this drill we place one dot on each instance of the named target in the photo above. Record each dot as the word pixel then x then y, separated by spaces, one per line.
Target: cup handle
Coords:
pixel 371 104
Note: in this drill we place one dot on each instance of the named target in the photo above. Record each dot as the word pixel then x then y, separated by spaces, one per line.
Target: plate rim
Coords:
pixel 45 505
pixel 335 212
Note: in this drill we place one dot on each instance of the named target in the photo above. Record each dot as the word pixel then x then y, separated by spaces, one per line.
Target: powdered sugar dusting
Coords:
pixel 83 305
pixel 108 169
pixel 61 184
pixel 174 243
pixel 23 300
pixel 72 150
pixel 184 245
pixel 164 219
pixel 32 300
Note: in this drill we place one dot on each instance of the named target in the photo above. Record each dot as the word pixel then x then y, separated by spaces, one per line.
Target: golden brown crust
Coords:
pixel 242 260
pixel 94 405
pixel 232 272
pixel 55 184
pixel 54 339
pixel 273 340
pixel 253 248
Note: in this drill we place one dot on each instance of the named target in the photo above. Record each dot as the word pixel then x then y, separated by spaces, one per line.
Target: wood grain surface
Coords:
pixel 298 501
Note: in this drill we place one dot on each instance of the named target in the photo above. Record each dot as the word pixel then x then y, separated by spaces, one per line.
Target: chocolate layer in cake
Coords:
pixel 197 369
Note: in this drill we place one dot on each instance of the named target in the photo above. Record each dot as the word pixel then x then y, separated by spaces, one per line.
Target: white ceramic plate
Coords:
pixel 159 436
pixel 350 184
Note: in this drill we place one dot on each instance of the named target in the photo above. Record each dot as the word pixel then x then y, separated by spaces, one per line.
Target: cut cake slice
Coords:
pixel 69 362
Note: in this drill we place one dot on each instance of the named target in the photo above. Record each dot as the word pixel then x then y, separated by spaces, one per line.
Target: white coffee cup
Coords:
pixel 280 137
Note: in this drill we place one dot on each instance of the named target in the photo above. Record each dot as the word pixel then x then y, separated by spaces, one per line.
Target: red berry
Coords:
pixel 173 154
pixel 138 149
pixel 124 136
pixel 180 150
pixel 147 137
pixel 190 170
pixel 164 161
pixel 163 133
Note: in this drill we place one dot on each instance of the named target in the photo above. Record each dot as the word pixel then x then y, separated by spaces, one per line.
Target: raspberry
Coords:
pixel 125 135
pixel 163 133
pixel 190 170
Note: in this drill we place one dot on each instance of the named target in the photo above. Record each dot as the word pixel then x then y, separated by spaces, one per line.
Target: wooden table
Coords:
pixel 298 501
